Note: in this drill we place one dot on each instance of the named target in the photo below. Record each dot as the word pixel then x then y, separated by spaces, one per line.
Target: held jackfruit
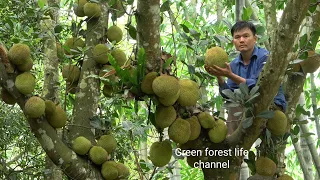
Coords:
pixel 108 142
pixel 25 83
pixel 114 33
pixel 92 10
pixel 19 53
pixel 81 145
pixel 160 153
pixel 98 155
pixel 206 120
pixel 100 53
pixel 146 84
pixel 58 119
pixel 179 131
pixel 189 93
pixel 265 166
pixel 219 132
pixel 277 125
pixel 34 107
pixel 216 56
pixel 165 86
pixel 165 116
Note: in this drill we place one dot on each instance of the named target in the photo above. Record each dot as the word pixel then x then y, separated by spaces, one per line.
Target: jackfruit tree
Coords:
pixel 96 91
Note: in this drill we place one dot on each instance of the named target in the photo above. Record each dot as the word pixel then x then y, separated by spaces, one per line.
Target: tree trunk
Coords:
pixel 240 4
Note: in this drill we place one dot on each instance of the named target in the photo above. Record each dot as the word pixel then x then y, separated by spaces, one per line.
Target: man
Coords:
pixel 245 68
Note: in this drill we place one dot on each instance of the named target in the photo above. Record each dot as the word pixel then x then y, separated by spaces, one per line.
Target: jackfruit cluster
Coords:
pixel 84 8
pixel 112 170
pixel 160 153
pixel 277 125
pixel 265 166
pixel 114 33
pixel 81 145
pixel 219 131
pixel 34 107
pixel 19 54
pixel 216 56
pixel 25 83
pixel 179 131
pixel 78 8
pixel 165 86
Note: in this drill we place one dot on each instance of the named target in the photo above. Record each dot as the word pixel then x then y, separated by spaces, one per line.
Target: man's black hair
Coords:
pixel 242 25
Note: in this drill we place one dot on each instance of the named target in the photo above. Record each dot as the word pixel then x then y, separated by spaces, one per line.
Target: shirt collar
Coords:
pixel 254 54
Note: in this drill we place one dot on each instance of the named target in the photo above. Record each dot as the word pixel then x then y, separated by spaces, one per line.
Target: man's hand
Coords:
pixel 218 71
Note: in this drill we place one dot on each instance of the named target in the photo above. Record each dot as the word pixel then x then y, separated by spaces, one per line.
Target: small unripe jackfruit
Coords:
pixel 195 127
pixel 25 83
pixel 165 86
pixel 160 153
pixel 92 10
pixel 165 116
pixel 19 53
pixel 71 73
pixel 123 171
pixel 216 56
pixel 189 92
pixel 120 57
pixel 108 142
pixel 114 33
pixel 34 107
pixel 58 119
pixel 81 145
pixel 109 170
pixel 100 53
pixel 179 131
pixel 206 120
pixel 98 155
pixel 27 66
pixel 219 132
pixel 146 84
pixel 78 9
pixel 265 166
pixel 277 125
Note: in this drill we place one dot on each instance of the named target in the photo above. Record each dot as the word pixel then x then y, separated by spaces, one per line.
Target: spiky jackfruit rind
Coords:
pixel 71 73
pixel 114 33
pixel 206 120
pixel 58 119
pixel 27 66
pixel 25 83
pixel 100 53
pixel 92 10
pixel 219 132
pixel 165 86
pixel 19 53
pixel 108 142
pixel 165 116
pixel 123 171
pixel 50 107
pixel 7 97
pixel 169 101
pixel 98 155
pixel 160 153
pixel 109 172
pixel 265 166
pixel 73 43
pixel 189 92
pixel 120 57
pixel 179 131
pixel 34 107
pixel 216 56
pixel 146 84
pixel 195 127
pixel 81 145
pixel 278 124
pixel 285 177
pixel 78 9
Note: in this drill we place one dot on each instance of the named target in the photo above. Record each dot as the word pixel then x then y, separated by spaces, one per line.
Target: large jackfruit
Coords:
pixel 165 86
pixel 114 33
pixel 146 84
pixel 108 142
pixel 78 9
pixel 179 131
pixel 71 73
pixel 195 127
pixel 81 145
pixel 277 125
pixel 189 92
pixel 160 153
pixel 109 170
pixel 265 166
pixel 120 57
pixel 19 53
pixel 165 116
pixel 169 100
pixel 206 120
pixel 92 10
pixel 34 107
pixel 98 155
pixel 25 83
pixel 7 97
pixel 100 53
pixel 58 119
pixel 285 177
pixel 219 132
pixel 216 56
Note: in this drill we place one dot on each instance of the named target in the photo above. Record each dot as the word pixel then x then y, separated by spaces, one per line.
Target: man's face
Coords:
pixel 244 40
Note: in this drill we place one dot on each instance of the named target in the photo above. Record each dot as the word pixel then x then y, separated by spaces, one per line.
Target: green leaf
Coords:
pixel 237 113
pixel 295 140
pixel 185 28
pixel 247 122
pixel 266 114
pixel 261 30
pixel 127 125
pixel 41 3
pixel 132 31
pixel 295 130
pixel 317 112
pixel 130 2
pixel 195 34
pixel 167 63
pixel 165 6
pixel 228 93
pixel 191 69
pixel 244 88
pixel 252 156
pixel 303 41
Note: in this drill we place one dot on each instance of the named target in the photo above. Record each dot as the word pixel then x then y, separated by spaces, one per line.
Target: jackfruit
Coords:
pixel 98 155
pixel 114 33
pixel 189 93
pixel 265 166
pixel 34 107
pixel 71 73
pixel 206 120
pixel 50 107
pixel 311 64
pixel 106 74
pixel 109 170
pixel 216 56
pixel 165 116
pixel 123 171
pixel 277 125
pixel 107 90
pixel 219 132
pixel 169 101
pixel 81 145
pixel 92 10
pixel 146 84
pixel 108 142
pixel 120 57
pixel 78 9
pixel 58 119
pixel 165 86
pixel 7 97
pixel 195 127
pixel 100 53
pixel 73 44
pixel 179 131
pixel 285 177
pixel 27 66
pixel 25 83
pixel 160 153
pixel 19 53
